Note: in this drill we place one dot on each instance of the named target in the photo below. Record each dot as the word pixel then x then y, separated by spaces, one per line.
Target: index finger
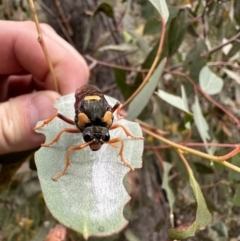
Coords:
pixel 20 51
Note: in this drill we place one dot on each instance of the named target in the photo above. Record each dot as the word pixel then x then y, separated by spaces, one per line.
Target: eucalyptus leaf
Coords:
pixel 222 229
pixel 152 27
pixel 124 47
pixel 107 10
pixel 200 121
pixel 194 61
pixel 166 186
pixel 233 75
pixel 91 196
pixel 203 216
pixel 161 7
pixel 176 101
pixel 236 197
pixel 176 32
pixel 185 101
pixel 233 175
pixel 237 11
pixel 141 42
pixel 141 100
pixel 210 83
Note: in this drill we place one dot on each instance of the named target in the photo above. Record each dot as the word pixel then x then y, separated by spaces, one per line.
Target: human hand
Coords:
pixel 23 69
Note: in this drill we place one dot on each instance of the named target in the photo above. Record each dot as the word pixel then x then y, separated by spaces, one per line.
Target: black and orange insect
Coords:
pixel 93 118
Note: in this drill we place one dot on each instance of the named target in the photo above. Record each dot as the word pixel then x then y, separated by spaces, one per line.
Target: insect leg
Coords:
pixel 60 116
pixel 115 140
pixel 72 148
pixel 59 134
pixel 114 126
pixel 117 107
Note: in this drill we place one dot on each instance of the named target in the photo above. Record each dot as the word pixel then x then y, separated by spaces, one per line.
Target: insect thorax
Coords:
pixel 91 113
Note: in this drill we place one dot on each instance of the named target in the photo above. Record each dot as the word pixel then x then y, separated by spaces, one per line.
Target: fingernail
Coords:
pixel 41 108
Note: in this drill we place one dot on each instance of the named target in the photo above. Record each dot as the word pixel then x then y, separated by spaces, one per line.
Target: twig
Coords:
pixel 221 63
pixel 184 160
pixel 218 159
pixel 192 144
pixel 158 156
pixel 96 61
pixel 151 127
pixel 62 27
pixel 65 21
pixel 233 39
pixel 153 67
pixel 41 41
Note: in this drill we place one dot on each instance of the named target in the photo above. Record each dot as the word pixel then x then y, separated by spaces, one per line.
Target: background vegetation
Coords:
pixel 201 68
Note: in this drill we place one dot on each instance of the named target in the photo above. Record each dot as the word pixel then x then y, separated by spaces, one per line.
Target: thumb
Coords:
pixel 18 117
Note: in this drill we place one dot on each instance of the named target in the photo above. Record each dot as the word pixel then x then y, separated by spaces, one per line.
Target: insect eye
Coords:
pixel 88 135
pixel 106 137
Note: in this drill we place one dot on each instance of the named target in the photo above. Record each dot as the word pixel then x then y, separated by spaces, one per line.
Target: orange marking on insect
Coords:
pixel 82 120
pixel 108 118
pixel 92 97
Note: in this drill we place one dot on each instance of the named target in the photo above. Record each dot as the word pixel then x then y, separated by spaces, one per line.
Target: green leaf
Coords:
pixel 188 118
pixel 141 42
pixel 124 47
pixel 234 50
pixel 203 216
pixel 91 196
pixel 141 100
pixel 233 175
pixel 161 7
pixel 152 26
pixel 103 7
pixel 200 121
pixel 146 65
pixel 221 229
pixel 176 32
pixel 174 100
pixel 131 236
pixel 203 169
pixel 194 62
pixel 237 11
pixel 120 78
pixel 209 82
pixel 166 187
pixel 236 197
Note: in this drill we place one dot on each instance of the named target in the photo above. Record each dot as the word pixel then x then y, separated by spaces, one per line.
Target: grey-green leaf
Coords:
pixel 166 186
pixel 161 7
pixel 141 100
pixel 209 82
pixel 174 100
pixel 200 121
pixel 203 216
pixel 91 196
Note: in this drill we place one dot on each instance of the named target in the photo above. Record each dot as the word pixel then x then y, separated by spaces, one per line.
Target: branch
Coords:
pixel 40 40
pixel 218 159
pixel 233 39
